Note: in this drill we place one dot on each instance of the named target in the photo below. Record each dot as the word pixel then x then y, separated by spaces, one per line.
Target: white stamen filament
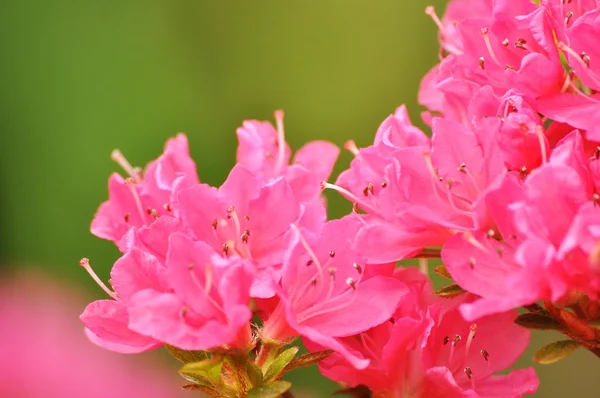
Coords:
pixel 85 263
pixel 451 356
pixel 563 47
pixel 231 213
pixel 436 188
pixel 331 283
pixel 423 265
pixel 208 277
pixel 280 140
pixel 349 195
pixel 488 44
pixel 136 197
pixel 430 10
pixel 314 311
pixel 308 249
pixel 367 343
pixel 541 138
pixel 350 145
pixel 572 84
pixel 118 157
pixel 471 239
pixel 472 332
pixel 204 289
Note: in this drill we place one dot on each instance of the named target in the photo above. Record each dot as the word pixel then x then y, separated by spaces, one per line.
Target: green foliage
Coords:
pixel 270 390
pixel 279 364
pixel 234 374
pixel 556 351
pixel 186 356
pixel 443 271
pixel 208 371
pixel 450 291
pixel 538 321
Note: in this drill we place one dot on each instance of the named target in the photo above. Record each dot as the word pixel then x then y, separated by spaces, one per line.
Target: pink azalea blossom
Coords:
pixel 566 13
pixel 521 137
pixel 141 198
pixel 509 45
pixel 578 111
pixel 427 349
pixel 325 293
pixel 196 300
pixel 426 194
pixel 263 151
pixel 581 35
pixel 446 90
pixel 456 11
pixel 206 305
pixel 526 258
pixel 44 333
pixel 248 218
pixel 107 321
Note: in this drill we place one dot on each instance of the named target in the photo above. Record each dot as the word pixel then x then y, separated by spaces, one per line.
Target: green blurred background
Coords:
pixel 80 78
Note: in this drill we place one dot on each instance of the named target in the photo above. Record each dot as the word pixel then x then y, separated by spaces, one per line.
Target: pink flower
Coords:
pixel 197 300
pixel 326 294
pixel 581 35
pixel 578 111
pixel 580 251
pixel 566 14
pixel 44 331
pixel 427 349
pixel 143 197
pixel 508 45
pixel 446 90
pixel 107 321
pixel 426 195
pixel 521 138
pixel 207 305
pixel 263 151
pixel 521 261
pixel 456 11
pixel 397 131
pixel 247 218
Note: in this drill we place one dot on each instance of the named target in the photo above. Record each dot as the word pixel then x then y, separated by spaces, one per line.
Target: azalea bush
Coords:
pixel 230 279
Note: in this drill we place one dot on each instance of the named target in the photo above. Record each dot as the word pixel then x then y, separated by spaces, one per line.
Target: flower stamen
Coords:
pixel 85 263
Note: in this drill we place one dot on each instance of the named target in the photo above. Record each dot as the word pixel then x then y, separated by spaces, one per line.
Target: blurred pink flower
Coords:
pixel 45 353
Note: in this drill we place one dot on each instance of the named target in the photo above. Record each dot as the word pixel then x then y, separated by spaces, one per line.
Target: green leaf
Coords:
pixel 194 378
pixel 537 321
pixel 186 356
pixel 556 351
pixel 450 291
pixel 282 360
pixel 210 391
pixel 307 359
pixel 209 369
pixel 271 390
pixel 254 373
pixel 443 271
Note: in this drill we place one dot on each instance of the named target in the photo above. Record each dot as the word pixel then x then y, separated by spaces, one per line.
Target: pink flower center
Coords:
pixel 234 232
pixel 459 360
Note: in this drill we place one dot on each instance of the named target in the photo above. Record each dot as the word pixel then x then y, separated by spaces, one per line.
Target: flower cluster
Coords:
pixel 505 192
pixel 508 183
